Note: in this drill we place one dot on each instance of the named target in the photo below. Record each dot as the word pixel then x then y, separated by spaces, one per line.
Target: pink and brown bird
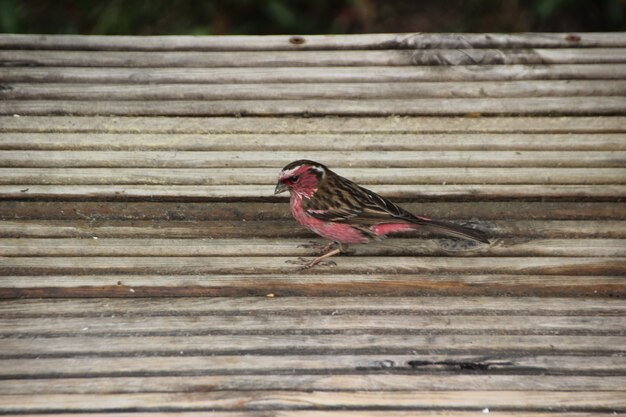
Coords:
pixel 346 213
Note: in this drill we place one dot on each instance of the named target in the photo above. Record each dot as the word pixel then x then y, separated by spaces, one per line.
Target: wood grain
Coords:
pixel 343 125
pixel 385 384
pixel 350 265
pixel 144 259
pixel 267 176
pixel 218 192
pixel 321 285
pixel 313 413
pixel 200 306
pixel 418 365
pixel 268 400
pixel 540 106
pixel 313 42
pixel 141 59
pixel 313 142
pixel 367 74
pixel 276 160
pixel 103 228
pixel 293 247
pixel 281 344
pixel 227 212
pixel 298 91
pixel 396 324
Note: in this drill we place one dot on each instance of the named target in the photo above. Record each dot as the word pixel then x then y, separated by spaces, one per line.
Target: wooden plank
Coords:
pixel 385 384
pixel 234 75
pixel 312 42
pixel 226 212
pixel 316 413
pixel 597 105
pixel 269 400
pixel 276 160
pixel 298 284
pixel 267 176
pixel 344 265
pixel 343 125
pixel 103 228
pixel 313 141
pixel 404 191
pixel 293 247
pixel 276 343
pixel 418 364
pixel 200 306
pixel 324 58
pixel 380 324
pixel 297 91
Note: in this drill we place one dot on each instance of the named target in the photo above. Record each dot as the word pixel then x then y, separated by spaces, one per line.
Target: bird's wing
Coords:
pixel 343 201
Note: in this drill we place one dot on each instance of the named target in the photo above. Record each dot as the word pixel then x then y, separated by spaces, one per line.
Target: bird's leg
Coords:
pixel 310 263
pixel 320 248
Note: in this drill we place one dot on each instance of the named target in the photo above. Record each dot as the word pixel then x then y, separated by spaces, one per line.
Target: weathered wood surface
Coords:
pixel 144 261
pixel 314 42
pixel 263 400
pixel 318 413
pixel 299 91
pixel 311 142
pixel 13 58
pixel 267 177
pixel 292 247
pixel 336 125
pixel 600 105
pixel 218 76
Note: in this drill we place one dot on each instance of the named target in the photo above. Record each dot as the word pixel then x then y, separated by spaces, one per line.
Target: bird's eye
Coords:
pixel 293 178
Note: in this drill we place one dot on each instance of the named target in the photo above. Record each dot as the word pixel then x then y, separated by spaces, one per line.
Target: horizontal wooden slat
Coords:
pixel 297 91
pixel 313 58
pixel 313 142
pixel 236 125
pixel 316 413
pixel 395 324
pixel 550 229
pixel 312 42
pixel 200 306
pixel 350 265
pixel 275 160
pixel 269 400
pixel 464 191
pixel 418 364
pixel 293 247
pixel 298 284
pixel 367 74
pixel 226 212
pixel 268 176
pixel 596 105
pixel 387 384
pixel 274 343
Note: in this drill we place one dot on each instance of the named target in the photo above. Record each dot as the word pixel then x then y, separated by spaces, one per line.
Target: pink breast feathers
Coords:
pixel 338 232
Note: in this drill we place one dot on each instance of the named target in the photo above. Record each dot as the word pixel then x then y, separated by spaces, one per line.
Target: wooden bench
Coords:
pixel 143 252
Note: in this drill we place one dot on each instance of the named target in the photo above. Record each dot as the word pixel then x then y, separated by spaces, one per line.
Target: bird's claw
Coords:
pixel 305 263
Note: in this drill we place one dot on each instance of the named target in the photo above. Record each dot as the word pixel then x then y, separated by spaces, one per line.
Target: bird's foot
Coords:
pixel 319 247
pixel 305 263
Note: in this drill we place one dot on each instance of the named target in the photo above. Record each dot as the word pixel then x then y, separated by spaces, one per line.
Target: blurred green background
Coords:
pixel 248 17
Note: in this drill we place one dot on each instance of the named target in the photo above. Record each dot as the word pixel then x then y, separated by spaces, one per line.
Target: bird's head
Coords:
pixel 301 177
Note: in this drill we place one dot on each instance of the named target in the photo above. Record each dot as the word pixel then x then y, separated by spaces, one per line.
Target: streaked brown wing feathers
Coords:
pixel 341 200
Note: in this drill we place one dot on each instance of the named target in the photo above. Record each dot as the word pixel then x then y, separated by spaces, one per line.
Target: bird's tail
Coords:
pixel 451 229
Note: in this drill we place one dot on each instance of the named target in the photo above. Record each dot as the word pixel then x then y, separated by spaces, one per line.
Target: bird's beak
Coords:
pixel 280 187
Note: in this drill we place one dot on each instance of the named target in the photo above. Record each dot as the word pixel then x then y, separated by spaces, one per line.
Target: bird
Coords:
pixel 345 213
